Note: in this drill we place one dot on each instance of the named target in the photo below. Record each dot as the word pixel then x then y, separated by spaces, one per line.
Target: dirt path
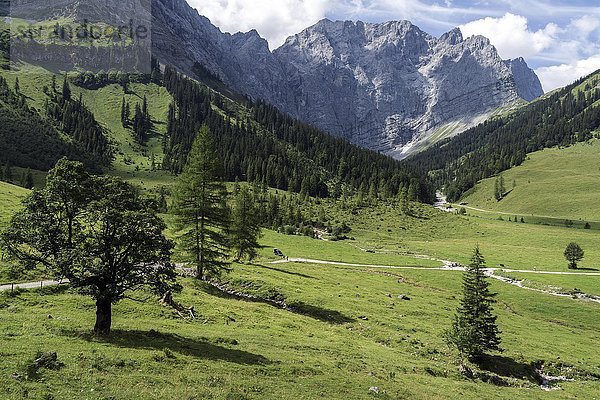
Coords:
pixel 30 285
pixel 491 272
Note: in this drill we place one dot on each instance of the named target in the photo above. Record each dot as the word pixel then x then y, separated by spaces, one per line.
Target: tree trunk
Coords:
pixel 103 316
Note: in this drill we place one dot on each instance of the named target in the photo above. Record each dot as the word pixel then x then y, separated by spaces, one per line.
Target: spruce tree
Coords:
pixel 200 208
pixel 245 227
pixel 474 330
pixel 124 116
pixel 404 203
pixel 497 193
pixel 28 184
pixel 66 90
pixel 8 176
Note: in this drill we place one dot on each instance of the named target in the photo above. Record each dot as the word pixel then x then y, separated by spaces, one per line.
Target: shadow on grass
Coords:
pixel 319 313
pixel 287 272
pixel 585 269
pixel 301 308
pixel 153 340
pixel 509 368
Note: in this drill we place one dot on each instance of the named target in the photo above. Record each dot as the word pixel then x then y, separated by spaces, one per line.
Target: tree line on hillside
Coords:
pixel 76 120
pixel 94 81
pixel 560 119
pixel 106 237
pixel 141 123
pixel 25 179
pixel 27 139
pixel 259 143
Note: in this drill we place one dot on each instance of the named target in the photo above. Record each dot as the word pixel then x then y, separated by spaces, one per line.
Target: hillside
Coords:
pixel 564 117
pixel 558 182
pixel 10 198
pixel 355 327
pixel 258 142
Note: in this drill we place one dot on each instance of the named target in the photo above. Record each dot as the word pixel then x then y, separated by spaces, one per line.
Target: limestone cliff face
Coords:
pixel 390 87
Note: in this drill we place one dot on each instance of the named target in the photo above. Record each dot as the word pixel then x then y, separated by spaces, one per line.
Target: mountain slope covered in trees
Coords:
pixel 29 140
pixel 257 143
pixel 562 118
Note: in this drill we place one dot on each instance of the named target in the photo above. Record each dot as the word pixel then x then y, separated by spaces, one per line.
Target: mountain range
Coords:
pixel 389 87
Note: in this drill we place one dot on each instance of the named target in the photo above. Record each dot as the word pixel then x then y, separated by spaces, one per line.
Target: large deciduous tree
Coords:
pixel 97 232
pixel 200 208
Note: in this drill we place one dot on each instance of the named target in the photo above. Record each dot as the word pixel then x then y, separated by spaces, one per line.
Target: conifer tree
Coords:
pixel 404 204
pixel 66 90
pixel 200 207
pixel 474 330
pixel 28 183
pixel 245 227
pixel 124 115
pixel 7 175
pixel 497 194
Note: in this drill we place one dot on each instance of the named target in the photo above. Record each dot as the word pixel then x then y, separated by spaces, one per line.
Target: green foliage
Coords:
pixel 499 188
pixel 97 232
pixel 245 225
pixel 474 330
pixel 200 208
pixel 574 253
pixel 26 139
pixel 76 120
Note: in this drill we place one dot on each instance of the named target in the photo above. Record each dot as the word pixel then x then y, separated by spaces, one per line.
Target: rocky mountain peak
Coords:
pixel 453 37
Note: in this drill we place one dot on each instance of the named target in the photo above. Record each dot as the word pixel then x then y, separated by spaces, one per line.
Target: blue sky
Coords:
pixel 559 39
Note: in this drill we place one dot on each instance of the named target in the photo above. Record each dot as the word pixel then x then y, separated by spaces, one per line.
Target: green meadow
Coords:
pixel 349 332
pixel 555 183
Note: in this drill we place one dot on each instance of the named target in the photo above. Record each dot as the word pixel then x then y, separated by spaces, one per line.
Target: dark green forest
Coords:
pixel 258 143
pixel 27 139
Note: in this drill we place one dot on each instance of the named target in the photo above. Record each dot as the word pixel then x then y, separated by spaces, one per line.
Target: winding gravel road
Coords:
pixel 449 266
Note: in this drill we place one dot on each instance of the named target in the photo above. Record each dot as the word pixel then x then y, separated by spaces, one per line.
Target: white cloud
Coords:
pixel 274 20
pixel 557 76
pixel 585 25
pixel 512 36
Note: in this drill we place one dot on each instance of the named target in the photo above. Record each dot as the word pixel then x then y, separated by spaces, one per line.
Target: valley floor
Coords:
pixel 358 330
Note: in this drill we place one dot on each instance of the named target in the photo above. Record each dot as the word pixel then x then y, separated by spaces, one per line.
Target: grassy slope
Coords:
pixel 560 183
pixel 132 162
pixel 284 355
pixel 10 197
pixel 241 350
pixel 451 237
